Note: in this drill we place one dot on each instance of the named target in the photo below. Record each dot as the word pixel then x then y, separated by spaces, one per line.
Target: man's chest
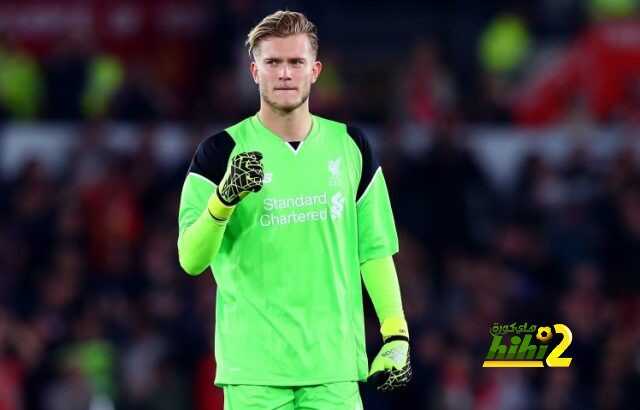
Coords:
pixel 304 186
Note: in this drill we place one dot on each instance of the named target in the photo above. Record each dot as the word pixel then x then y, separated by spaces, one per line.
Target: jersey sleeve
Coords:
pixel 211 157
pixel 207 168
pixel 377 236
pixel 381 281
pixel 200 235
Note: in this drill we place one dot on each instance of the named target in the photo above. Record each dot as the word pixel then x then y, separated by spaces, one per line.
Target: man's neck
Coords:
pixel 291 126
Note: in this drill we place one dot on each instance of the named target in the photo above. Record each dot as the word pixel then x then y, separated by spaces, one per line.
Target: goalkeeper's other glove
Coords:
pixel 391 368
pixel 245 175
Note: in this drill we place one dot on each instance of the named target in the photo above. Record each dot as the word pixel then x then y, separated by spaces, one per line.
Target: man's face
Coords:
pixel 284 69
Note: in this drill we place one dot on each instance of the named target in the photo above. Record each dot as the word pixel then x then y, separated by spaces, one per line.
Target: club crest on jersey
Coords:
pixel 334 172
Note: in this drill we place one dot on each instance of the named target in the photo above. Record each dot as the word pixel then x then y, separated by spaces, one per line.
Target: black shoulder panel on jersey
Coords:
pixel 212 155
pixel 369 162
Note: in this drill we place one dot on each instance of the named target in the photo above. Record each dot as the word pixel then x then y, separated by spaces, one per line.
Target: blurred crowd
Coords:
pixel 96 313
pixel 529 63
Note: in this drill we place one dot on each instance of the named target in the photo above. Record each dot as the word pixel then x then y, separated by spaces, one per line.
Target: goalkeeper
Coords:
pixel 292 213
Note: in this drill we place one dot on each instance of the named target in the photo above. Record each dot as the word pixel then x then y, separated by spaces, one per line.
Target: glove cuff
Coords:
pixel 396 328
pixel 224 201
pixel 394 338
pixel 219 209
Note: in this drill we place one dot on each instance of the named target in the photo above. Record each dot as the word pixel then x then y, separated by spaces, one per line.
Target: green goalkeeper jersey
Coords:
pixel 289 306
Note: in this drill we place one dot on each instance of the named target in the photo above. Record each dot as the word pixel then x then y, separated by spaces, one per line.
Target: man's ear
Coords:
pixel 253 68
pixel 316 69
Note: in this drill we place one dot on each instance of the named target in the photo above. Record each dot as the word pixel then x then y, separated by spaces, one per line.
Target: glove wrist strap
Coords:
pixel 224 201
pixel 396 337
pixel 394 327
pixel 219 209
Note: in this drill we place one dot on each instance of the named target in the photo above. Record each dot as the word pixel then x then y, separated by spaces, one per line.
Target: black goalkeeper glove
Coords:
pixel 245 175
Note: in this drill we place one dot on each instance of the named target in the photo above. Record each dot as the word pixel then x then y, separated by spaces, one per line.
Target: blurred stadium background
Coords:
pixel 509 135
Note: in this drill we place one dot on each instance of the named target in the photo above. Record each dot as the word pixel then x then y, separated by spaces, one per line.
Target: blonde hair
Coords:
pixel 282 23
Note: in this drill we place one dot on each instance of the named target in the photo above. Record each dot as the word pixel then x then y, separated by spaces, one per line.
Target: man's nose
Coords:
pixel 285 72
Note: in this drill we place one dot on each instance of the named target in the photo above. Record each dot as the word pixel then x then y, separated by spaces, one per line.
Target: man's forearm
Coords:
pixel 391 368
pixel 199 243
pixel 381 281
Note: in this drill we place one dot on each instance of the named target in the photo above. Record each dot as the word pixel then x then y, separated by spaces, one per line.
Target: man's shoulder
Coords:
pixel 331 126
pixel 226 137
pixel 211 156
pixel 221 141
pixel 345 129
pixel 239 127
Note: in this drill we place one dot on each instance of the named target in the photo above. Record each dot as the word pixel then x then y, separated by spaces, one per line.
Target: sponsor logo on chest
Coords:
pixel 329 203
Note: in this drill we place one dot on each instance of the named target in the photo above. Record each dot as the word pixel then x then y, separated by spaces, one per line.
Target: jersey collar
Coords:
pixel 314 130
